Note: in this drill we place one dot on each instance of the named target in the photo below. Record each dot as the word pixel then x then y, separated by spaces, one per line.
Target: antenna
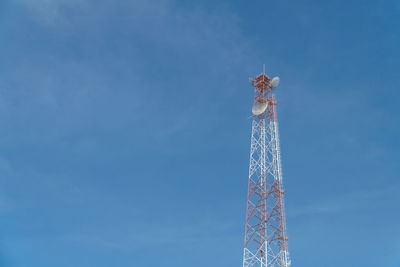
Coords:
pixel 260 105
pixel 264 69
pixel 252 82
pixel 275 82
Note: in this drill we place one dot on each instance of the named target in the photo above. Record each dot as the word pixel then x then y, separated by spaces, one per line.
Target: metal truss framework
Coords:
pixel 265 243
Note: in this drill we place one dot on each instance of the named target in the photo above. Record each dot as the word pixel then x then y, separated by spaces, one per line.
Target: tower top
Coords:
pixel 262 96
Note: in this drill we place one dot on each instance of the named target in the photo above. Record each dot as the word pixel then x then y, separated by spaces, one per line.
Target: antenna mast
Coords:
pixel 266 242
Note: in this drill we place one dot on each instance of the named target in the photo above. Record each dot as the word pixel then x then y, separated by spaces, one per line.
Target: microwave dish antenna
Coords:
pixel 259 107
pixel 275 82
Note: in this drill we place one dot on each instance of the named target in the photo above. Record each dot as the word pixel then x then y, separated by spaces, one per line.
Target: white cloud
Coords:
pixel 49 12
pixel 344 203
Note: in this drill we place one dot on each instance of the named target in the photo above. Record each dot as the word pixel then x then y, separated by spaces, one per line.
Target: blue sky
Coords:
pixel 125 130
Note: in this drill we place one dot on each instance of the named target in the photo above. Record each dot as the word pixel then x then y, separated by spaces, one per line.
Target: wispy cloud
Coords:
pixel 61 98
pixel 356 201
pixel 50 12
pixel 132 236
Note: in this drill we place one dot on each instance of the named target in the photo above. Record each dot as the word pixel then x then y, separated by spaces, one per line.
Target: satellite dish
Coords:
pixel 260 105
pixel 275 82
pixel 251 81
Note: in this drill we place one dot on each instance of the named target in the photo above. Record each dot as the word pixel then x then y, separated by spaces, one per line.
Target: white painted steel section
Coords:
pixel 265 166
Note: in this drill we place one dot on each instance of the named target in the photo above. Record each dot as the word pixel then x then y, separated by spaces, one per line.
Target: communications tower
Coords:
pixel 266 242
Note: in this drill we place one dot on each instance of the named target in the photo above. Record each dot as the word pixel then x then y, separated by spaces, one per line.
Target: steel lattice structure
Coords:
pixel 266 242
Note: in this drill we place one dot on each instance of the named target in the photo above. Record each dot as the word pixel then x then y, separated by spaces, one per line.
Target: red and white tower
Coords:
pixel 266 242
